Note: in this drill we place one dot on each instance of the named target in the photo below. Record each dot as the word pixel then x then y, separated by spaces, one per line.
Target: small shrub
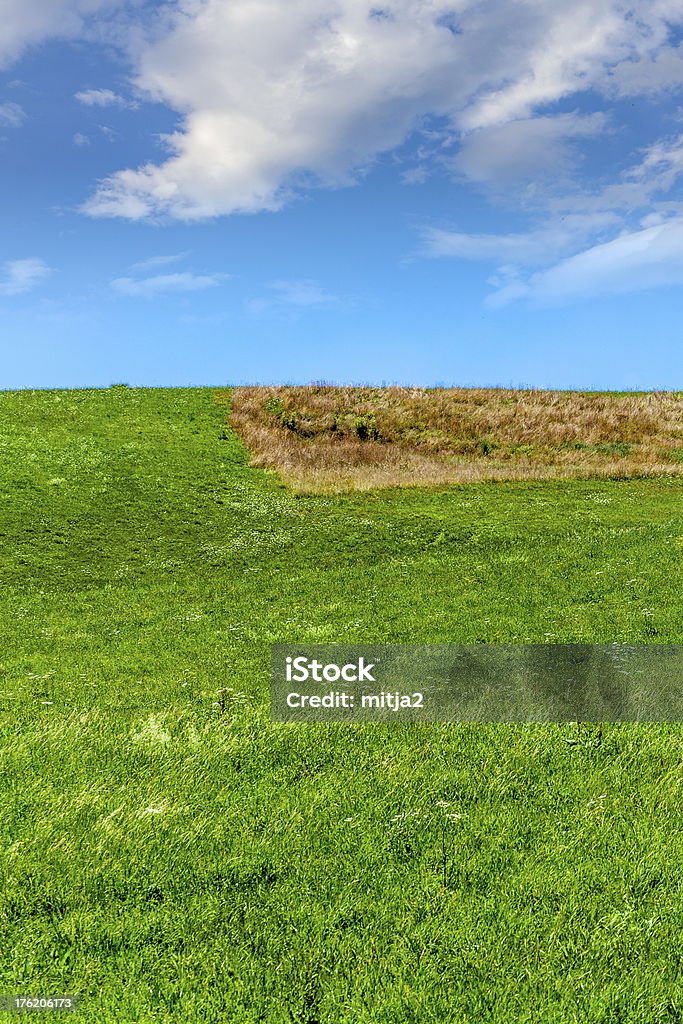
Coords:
pixel 274 406
pixel 289 418
pixel 365 427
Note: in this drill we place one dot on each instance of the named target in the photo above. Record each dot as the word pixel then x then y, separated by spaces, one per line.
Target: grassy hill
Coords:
pixel 172 855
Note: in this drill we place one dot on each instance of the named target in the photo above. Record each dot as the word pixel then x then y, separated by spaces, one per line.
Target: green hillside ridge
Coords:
pixel 172 855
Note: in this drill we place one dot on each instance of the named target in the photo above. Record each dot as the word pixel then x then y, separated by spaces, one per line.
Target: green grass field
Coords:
pixel 171 855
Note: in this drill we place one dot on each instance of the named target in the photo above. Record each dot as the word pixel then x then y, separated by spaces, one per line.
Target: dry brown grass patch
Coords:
pixel 322 438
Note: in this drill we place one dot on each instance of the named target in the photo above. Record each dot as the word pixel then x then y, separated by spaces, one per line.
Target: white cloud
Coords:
pixel 527 149
pixel 649 258
pixel 159 261
pixel 301 293
pixel 25 24
pixel 622 237
pixel 147 287
pixel 535 247
pixel 661 70
pixel 557 49
pixel 305 294
pixel 103 98
pixel 641 186
pixel 11 115
pixel 661 165
pixel 274 95
pixel 415 175
pixel 17 276
pixel 80 139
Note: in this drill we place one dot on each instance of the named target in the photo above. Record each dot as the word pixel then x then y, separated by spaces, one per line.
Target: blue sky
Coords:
pixel 269 191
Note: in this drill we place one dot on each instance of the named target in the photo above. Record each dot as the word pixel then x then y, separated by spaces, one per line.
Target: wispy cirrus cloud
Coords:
pixel 104 98
pixel 81 139
pixel 622 237
pixel 18 276
pixel 540 245
pixel 163 260
pixel 304 294
pixel 301 293
pixel 11 114
pixel 160 284
pixel 651 257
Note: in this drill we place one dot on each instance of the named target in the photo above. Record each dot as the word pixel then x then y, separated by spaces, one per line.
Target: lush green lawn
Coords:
pixel 173 856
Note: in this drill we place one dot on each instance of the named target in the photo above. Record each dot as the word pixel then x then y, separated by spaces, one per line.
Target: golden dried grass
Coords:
pixel 323 438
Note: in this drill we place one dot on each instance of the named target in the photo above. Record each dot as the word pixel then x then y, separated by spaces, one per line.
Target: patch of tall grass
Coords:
pixel 339 438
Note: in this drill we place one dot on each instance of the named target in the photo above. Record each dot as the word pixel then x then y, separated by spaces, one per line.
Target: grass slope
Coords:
pixel 173 856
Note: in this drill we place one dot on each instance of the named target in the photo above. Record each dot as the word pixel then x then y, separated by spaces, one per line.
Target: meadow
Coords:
pixel 170 854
